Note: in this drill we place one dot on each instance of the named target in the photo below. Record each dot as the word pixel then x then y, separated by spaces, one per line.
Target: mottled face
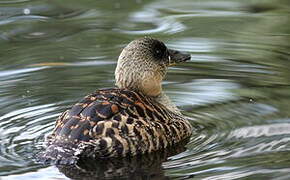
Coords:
pixel 143 63
pixel 159 52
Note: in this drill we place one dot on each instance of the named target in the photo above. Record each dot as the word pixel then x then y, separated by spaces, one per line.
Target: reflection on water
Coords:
pixel 138 167
pixel 235 90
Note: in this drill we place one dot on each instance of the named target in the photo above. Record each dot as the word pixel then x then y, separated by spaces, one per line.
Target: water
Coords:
pixel 236 86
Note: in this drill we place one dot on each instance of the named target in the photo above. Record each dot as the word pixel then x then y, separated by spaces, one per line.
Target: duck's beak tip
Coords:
pixel 178 57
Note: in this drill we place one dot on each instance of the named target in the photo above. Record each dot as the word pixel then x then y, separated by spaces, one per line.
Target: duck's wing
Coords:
pixel 116 122
pixel 85 119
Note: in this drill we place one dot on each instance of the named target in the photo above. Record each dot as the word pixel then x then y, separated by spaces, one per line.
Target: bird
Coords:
pixel 133 118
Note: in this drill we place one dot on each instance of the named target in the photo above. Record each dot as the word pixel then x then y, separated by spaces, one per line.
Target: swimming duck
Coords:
pixel 134 118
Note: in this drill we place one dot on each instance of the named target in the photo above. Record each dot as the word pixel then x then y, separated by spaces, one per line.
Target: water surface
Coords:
pixel 235 89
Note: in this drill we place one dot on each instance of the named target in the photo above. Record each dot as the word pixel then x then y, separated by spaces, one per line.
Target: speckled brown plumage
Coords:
pixel 134 118
pixel 118 122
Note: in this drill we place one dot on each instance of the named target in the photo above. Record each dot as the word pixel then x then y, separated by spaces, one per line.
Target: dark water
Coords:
pixel 236 86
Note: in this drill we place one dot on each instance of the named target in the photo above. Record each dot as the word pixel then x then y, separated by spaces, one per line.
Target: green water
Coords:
pixel 236 86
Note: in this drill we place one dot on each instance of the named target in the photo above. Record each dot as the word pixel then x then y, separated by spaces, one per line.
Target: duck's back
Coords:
pixel 114 122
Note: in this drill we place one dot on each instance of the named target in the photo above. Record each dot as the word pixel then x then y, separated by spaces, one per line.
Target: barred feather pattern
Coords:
pixel 114 123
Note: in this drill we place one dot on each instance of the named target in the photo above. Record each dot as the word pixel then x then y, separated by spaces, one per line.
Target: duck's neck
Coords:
pixel 163 99
pixel 147 82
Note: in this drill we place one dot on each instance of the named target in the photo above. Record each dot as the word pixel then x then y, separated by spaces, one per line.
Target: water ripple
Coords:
pixel 21 131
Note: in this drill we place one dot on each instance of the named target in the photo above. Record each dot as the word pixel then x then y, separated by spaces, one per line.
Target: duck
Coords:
pixel 133 118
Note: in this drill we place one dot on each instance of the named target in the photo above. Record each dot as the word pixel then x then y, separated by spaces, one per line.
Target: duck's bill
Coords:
pixel 177 57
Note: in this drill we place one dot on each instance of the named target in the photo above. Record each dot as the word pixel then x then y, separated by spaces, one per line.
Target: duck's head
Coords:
pixel 143 63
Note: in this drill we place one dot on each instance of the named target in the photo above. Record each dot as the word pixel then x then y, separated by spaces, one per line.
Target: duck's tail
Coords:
pixel 59 154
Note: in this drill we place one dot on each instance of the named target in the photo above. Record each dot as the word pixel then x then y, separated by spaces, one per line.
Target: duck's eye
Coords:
pixel 159 51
